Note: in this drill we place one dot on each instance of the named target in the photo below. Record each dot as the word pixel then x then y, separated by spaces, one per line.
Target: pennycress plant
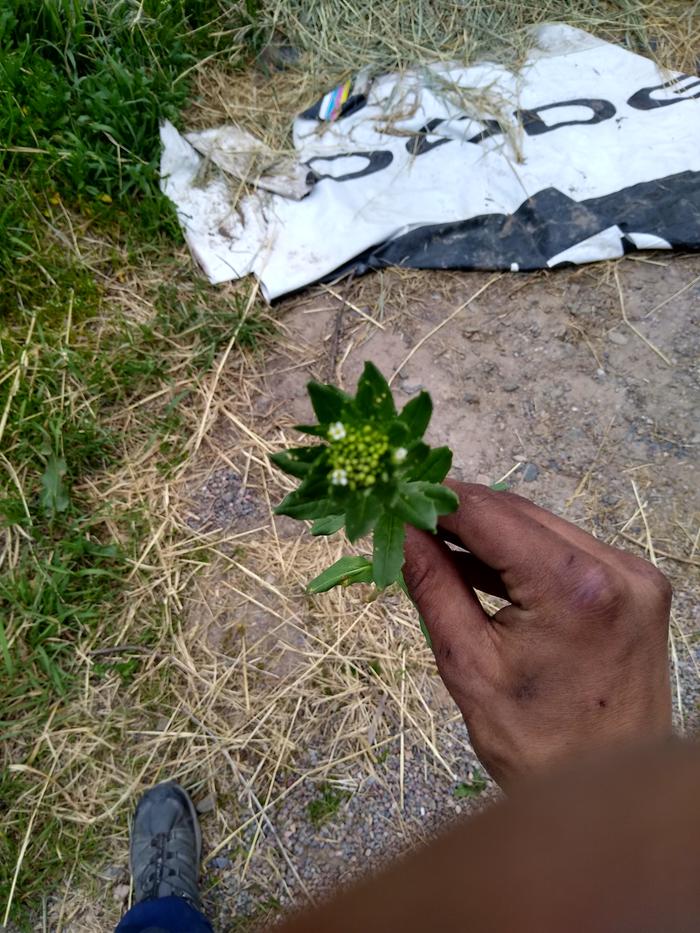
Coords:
pixel 370 471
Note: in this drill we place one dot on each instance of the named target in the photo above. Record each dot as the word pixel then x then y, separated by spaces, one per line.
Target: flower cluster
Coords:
pixel 371 473
pixel 357 455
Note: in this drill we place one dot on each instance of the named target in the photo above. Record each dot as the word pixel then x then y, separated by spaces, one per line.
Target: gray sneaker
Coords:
pixel 166 845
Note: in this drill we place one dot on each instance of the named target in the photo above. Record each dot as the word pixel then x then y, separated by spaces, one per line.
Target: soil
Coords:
pixel 538 378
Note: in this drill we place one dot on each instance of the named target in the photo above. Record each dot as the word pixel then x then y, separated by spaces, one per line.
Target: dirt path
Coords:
pixel 538 377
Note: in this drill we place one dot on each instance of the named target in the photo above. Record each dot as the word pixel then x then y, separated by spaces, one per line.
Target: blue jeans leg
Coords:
pixel 164 915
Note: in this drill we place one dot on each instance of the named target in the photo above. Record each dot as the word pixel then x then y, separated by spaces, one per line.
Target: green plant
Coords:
pixel 324 807
pixel 84 85
pixel 371 472
pixel 476 785
pixel 70 370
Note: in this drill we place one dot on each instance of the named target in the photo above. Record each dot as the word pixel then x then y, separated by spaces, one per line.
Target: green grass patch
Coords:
pixel 69 369
pixel 84 85
pixel 326 805
pixel 475 786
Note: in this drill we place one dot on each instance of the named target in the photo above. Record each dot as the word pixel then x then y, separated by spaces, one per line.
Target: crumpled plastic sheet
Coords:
pixel 585 153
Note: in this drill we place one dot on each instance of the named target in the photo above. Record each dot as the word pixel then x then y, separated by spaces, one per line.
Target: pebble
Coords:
pixel 510 386
pixel 220 861
pixel 530 472
pixel 470 398
pixel 206 804
pixel 618 338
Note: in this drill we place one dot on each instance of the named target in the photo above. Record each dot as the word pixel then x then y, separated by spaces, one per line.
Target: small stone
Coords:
pixel 220 861
pixel 530 473
pixel 113 872
pixel 206 804
pixel 619 339
pixel 279 57
pixel 510 386
pixel 470 398
pixel 120 893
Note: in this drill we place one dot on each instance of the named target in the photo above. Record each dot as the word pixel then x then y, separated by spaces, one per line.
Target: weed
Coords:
pixel 372 473
pixel 324 807
pixel 475 786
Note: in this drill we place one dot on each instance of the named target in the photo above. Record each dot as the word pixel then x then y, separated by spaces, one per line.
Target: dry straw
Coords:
pixel 247 673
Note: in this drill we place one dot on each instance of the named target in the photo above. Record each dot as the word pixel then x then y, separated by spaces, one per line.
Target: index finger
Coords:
pixel 522 550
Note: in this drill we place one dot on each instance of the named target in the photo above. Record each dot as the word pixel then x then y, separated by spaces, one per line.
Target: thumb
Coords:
pixel 457 624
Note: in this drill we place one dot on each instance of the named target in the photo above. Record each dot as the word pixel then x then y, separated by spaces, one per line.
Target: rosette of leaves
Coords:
pixel 368 472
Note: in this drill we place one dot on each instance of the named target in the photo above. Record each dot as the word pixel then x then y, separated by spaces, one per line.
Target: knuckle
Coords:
pixel 598 590
pixel 657 583
pixel 473 495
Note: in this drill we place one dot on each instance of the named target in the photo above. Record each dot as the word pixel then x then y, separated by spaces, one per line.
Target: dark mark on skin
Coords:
pixel 526 688
pixel 602 703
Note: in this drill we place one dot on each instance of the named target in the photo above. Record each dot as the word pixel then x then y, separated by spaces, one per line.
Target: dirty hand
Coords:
pixel 577 661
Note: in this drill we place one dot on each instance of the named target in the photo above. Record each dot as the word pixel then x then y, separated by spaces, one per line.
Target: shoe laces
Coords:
pixel 158 869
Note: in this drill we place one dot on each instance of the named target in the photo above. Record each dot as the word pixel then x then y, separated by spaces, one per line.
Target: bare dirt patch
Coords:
pixel 334 698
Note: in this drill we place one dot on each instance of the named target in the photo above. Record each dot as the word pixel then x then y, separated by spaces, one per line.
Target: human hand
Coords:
pixel 578 660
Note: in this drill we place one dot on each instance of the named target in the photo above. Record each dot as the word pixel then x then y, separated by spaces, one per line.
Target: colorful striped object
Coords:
pixel 332 103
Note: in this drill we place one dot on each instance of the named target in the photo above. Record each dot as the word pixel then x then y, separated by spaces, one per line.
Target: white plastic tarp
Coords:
pixel 587 152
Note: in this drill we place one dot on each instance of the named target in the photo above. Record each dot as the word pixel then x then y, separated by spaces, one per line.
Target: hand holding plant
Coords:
pixel 371 472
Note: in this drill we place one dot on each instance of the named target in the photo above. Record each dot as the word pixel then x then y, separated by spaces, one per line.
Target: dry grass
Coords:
pixel 254 691
pixel 246 675
pixel 334 39
pixel 339 37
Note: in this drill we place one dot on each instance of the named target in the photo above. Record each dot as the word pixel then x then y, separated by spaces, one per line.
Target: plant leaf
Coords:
pixel 387 559
pixel 298 460
pixel 434 467
pixel 328 402
pixel 473 788
pixel 398 434
pixel 307 509
pixel 361 514
pixel 315 430
pixel 416 415
pixel 414 507
pixel 345 571
pixel 445 500
pixel 417 453
pixel 54 495
pixel 374 398
pixel 327 525
pixel 308 500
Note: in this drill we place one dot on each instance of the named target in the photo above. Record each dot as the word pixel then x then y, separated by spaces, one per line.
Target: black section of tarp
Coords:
pixel 543 226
